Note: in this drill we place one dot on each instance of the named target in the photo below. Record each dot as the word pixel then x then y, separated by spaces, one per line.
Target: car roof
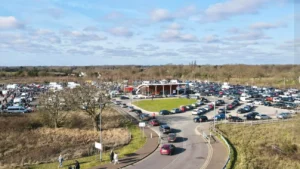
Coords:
pixel 164 125
pixel 166 146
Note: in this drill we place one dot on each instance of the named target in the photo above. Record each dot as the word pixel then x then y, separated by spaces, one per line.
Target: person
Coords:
pixel 77 165
pixel 153 115
pixel 60 160
pixel 70 167
pixel 116 158
pixel 111 156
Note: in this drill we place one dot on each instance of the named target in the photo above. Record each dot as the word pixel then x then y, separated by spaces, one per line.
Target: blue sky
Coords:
pixel 118 32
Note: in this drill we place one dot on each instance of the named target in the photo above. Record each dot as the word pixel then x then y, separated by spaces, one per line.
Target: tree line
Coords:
pixel 274 75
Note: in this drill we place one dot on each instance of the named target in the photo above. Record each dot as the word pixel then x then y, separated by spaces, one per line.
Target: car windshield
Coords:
pixel 165 147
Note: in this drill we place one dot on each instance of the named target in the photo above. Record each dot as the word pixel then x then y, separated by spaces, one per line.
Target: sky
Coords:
pixel 156 32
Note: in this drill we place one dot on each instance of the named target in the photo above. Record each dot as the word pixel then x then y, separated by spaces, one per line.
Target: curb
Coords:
pixel 143 157
pixel 210 151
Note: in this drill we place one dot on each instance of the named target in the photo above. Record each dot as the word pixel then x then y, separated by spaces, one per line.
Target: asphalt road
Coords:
pixel 191 150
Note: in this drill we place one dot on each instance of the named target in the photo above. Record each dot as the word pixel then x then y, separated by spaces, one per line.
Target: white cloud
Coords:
pixel 265 25
pixel 147 47
pixel 122 52
pixel 246 36
pixel 10 22
pixel 160 15
pixel 234 30
pixel 79 37
pixel 211 39
pixel 120 31
pixel 225 10
pixel 175 35
pixel 175 26
pixel 186 11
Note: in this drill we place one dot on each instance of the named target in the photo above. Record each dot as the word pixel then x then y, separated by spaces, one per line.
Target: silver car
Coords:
pixel 284 115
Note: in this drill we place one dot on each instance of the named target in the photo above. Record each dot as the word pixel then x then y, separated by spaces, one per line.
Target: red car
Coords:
pixel 154 122
pixel 182 108
pixel 167 149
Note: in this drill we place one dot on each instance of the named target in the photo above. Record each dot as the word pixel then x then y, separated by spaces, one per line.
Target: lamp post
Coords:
pixel 101 105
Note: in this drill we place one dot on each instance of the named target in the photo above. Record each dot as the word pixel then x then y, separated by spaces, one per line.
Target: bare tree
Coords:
pixel 56 105
pixel 92 99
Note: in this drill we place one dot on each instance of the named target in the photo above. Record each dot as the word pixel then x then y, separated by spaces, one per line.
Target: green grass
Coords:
pixel 253 145
pixel 86 162
pixel 163 104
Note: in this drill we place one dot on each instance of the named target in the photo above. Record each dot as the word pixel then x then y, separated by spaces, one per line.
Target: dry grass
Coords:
pixel 265 146
pixel 23 141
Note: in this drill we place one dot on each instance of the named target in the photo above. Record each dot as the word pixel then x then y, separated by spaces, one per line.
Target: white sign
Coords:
pixel 98 145
pixel 174 91
pixel 142 124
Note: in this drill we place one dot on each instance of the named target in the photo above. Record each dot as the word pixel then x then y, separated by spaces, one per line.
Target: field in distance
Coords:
pixel 163 104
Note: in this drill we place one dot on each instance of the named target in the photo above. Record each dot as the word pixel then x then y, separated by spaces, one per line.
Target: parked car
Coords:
pixel 167 149
pixel 154 122
pixel 258 102
pixel 222 110
pixel 251 116
pixel 229 107
pixel 164 112
pixel 219 117
pixel 124 97
pixel 172 137
pixel 145 117
pixel 124 105
pixel 234 119
pixel 199 111
pixel 200 119
pixel 262 117
pixel 284 115
pixel 183 108
pixel 165 129
pixel 137 111
pixel 130 108
pixel 175 110
pixel 16 109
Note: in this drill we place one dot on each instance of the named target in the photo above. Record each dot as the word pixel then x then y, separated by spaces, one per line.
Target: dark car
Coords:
pixel 200 119
pixel 167 149
pixel 124 98
pixel 137 111
pixel 130 108
pixel 172 137
pixel 234 119
pixel 164 112
pixel 221 101
pixel 222 110
pixel 242 110
pixel 229 107
pixel 154 122
pixel 145 117
pixel 251 116
pixel 176 110
pixel 165 129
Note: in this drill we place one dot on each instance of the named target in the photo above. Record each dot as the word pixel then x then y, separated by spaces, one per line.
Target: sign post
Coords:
pixel 142 125
pixel 98 146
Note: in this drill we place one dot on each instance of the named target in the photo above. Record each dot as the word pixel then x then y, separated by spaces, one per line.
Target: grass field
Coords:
pixel 265 146
pixel 163 104
pixel 88 162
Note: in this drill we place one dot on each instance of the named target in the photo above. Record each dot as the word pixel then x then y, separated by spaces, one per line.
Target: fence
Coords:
pixel 251 122
pixel 228 146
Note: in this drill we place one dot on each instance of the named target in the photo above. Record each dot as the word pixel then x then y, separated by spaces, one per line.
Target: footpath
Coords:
pixel 220 152
pixel 129 159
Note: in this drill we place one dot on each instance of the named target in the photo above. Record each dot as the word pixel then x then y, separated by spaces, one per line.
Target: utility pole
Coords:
pixel 100 132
